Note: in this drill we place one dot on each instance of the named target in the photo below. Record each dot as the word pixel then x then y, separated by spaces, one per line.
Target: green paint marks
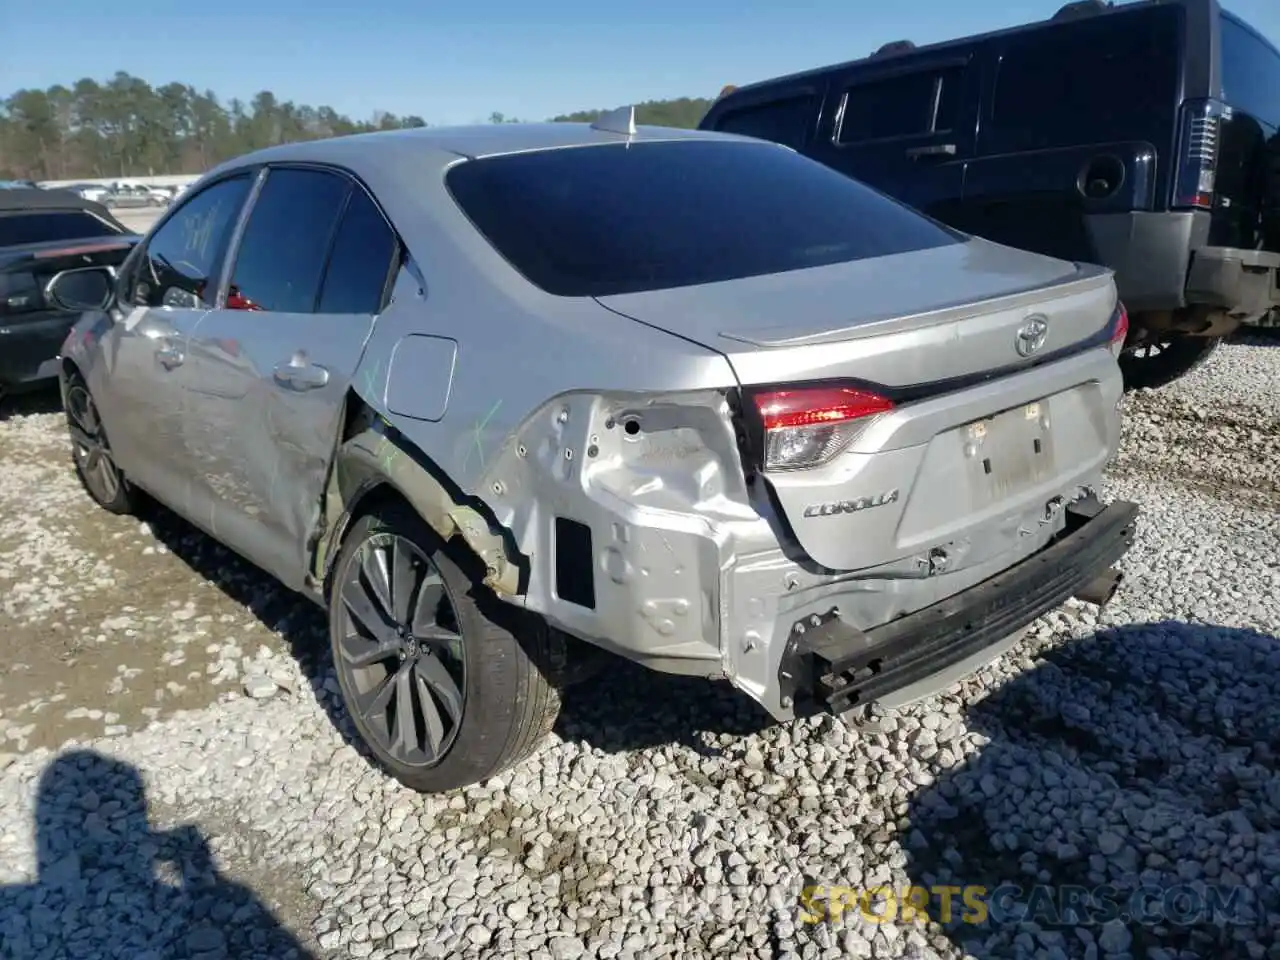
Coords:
pixel 371 378
pixel 477 436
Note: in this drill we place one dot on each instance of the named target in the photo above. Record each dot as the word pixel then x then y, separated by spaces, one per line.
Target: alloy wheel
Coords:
pixel 400 649
pixel 89 445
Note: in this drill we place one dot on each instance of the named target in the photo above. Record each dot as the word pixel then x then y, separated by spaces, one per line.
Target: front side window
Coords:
pixel 180 265
pixel 52 226
pixel 620 218
pixel 282 253
pixel 782 121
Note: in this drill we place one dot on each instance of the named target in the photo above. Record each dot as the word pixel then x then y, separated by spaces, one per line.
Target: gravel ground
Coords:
pixel 665 817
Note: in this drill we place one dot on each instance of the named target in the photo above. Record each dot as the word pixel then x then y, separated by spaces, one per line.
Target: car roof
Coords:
pixel 34 198
pixel 745 90
pixel 442 146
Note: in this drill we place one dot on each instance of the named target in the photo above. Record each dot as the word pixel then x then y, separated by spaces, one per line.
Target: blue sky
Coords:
pixel 458 62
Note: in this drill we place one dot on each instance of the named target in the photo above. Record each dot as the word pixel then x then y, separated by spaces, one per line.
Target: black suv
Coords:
pixel 1141 136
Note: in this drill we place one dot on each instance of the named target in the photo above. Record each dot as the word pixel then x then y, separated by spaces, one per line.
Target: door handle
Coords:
pixel 301 374
pixel 170 355
pixel 932 150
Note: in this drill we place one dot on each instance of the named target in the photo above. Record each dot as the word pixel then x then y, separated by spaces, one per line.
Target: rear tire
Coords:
pixel 91 453
pixel 446 687
pixel 1157 363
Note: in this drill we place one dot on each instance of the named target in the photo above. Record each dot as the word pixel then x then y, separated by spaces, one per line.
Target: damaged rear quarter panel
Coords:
pixel 533 425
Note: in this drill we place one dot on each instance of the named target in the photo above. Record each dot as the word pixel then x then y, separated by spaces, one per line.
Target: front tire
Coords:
pixel 91 453
pixel 437 682
pixel 1159 362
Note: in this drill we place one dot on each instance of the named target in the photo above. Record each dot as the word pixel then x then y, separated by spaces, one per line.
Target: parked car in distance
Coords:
pixel 136 195
pixel 1136 136
pixel 18 185
pixel 43 232
pixel 94 192
pixel 501 396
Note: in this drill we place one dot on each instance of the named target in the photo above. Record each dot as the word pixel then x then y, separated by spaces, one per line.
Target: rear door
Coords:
pixel 271 367
pixel 906 128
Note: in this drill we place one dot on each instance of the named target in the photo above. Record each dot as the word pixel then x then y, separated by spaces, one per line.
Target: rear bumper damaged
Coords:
pixel 833 665
pixel 643 537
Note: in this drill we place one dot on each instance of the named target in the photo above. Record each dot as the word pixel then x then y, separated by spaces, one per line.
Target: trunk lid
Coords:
pixel 875 319
pixel 983 436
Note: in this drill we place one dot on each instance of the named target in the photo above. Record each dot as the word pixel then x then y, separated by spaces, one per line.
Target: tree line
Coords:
pixel 127 127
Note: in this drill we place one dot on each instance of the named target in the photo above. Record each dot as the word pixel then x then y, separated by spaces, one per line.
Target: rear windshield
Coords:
pixel 51 227
pixel 1250 73
pixel 622 218
pixel 1097 80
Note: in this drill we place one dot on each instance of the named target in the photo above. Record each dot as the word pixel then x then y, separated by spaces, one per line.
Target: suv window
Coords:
pixel 1250 73
pixel 52 226
pixel 905 106
pixel 783 121
pixel 1045 98
pixel 179 267
pixel 282 253
pixel 360 264
pixel 621 218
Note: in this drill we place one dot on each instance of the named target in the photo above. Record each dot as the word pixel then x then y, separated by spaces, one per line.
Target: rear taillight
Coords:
pixel 807 426
pixel 1119 328
pixel 1197 169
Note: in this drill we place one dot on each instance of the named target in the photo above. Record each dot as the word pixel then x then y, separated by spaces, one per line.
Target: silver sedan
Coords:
pixel 501 397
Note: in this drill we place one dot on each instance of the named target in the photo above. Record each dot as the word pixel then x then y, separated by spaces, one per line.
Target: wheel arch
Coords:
pixel 374 463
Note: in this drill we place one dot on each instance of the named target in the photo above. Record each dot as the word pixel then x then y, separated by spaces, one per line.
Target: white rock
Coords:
pixel 259 687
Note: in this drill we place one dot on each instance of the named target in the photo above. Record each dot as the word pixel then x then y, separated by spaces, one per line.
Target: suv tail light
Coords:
pixel 1197 164
pixel 807 426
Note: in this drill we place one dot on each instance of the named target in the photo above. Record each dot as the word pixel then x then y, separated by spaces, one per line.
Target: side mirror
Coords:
pixel 84 288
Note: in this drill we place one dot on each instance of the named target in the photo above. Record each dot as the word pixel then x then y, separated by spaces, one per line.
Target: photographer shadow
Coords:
pixel 109 886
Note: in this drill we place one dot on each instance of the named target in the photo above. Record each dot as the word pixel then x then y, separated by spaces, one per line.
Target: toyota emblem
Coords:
pixel 1032 335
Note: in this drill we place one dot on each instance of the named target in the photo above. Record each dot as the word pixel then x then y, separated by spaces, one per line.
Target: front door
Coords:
pixel 166 288
pixel 269 369
pixel 908 131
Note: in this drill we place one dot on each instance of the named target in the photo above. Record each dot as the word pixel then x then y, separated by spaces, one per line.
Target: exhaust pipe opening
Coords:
pixel 1101 588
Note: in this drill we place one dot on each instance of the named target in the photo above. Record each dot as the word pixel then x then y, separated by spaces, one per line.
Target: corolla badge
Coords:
pixel 1032 334
pixel 836 507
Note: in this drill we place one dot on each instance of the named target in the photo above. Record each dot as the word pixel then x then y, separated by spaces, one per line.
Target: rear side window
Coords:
pixel 360 263
pixel 1250 73
pixel 53 226
pixel 908 106
pixel 286 241
pixel 622 218
pixel 782 121
pixel 1090 81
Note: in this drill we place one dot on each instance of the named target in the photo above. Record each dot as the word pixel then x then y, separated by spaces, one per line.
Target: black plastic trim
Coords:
pixel 850 667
